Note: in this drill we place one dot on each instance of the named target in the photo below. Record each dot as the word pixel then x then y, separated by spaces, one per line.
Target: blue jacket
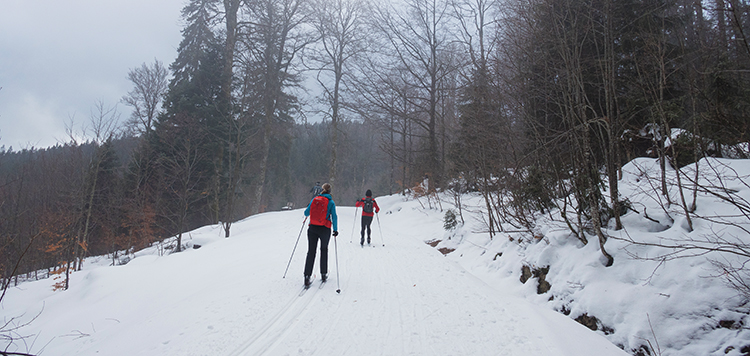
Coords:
pixel 330 215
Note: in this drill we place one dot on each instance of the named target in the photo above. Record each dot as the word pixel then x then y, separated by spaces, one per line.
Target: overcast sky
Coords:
pixel 59 57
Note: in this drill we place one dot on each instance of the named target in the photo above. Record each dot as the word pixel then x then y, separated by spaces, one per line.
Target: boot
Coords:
pixel 324 277
pixel 307 282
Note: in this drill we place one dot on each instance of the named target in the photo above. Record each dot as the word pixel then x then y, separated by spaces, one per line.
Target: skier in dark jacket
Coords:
pixel 322 213
pixel 368 205
pixel 316 190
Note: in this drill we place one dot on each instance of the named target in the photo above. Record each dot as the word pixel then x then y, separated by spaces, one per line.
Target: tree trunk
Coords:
pixel 612 114
pixel 263 165
pixel 231 7
pixel 591 172
pixel 335 123
pixel 393 159
pixel 234 179
pixel 721 25
pixel 598 229
pixel 89 209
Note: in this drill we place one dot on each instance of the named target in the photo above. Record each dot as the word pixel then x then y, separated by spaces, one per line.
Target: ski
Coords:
pixel 306 287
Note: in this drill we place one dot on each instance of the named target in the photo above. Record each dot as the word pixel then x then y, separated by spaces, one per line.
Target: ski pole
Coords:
pixel 379 229
pixel 338 279
pixel 295 247
pixel 354 223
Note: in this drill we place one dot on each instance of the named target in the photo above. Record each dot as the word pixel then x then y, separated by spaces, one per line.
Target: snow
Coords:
pixel 672 305
pixel 229 298
pixel 401 296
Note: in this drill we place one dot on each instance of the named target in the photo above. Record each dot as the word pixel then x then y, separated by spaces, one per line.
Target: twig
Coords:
pixel 658 349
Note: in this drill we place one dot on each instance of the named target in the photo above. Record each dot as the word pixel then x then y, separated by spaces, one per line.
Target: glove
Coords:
pixel 335 233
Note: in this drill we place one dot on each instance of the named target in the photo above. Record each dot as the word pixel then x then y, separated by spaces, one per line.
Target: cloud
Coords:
pixel 29 132
pixel 58 58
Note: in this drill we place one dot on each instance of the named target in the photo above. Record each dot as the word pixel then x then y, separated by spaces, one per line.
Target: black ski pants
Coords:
pixel 366 221
pixel 315 233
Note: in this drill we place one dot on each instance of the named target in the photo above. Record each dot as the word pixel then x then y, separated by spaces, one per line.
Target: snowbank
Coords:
pixel 653 298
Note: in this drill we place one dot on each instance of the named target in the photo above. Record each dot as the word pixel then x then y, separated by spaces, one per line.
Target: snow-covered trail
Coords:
pixel 405 298
pixel 229 298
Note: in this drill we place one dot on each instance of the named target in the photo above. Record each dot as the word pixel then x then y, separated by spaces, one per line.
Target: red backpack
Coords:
pixel 319 212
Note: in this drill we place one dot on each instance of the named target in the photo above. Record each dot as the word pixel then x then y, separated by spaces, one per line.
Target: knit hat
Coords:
pixel 368 193
pixel 326 188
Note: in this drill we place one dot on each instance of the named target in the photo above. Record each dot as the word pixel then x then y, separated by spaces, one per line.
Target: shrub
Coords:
pixel 449 221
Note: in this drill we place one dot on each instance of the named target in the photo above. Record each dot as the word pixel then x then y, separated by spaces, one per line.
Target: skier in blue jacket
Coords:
pixel 322 213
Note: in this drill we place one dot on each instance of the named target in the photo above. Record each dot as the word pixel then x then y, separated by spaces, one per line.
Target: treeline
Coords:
pixel 533 103
pixel 590 85
pixel 64 203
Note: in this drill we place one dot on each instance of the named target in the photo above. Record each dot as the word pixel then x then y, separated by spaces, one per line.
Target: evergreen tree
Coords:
pixel 183 144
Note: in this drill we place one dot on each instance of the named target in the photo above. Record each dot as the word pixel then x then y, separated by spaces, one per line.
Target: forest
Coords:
pixel 530 103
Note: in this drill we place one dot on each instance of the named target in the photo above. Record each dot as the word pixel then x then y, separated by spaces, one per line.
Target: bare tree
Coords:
pixel 481 151
pixel 385 99
pixel 419 39
pixel 182 161
pixel 138 200
pixel 236 141
pixel 655 72
pixel 104 122
pixel 150 84
pixel 272 36
pixel 339 25
pixel 478 25
pixel 612 122
pixel 231 9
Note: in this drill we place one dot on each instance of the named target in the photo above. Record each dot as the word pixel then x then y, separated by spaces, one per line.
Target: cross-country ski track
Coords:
pixel 229 298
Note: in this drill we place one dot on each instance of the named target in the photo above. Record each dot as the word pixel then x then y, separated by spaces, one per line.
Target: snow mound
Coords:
pixel 654 299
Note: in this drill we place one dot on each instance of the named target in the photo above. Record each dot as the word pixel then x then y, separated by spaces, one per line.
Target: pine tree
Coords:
pixel 183 144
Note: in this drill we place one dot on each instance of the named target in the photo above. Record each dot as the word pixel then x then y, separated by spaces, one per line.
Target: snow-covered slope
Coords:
pixel 229 298
pixel 669 306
